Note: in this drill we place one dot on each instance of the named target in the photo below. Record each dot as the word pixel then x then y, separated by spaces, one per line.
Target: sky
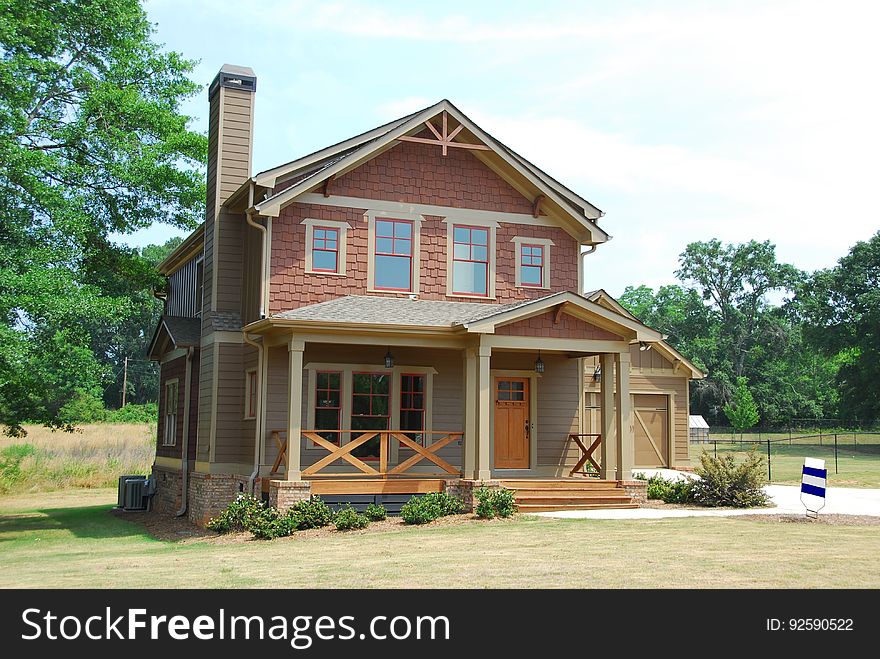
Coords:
pixel 682 121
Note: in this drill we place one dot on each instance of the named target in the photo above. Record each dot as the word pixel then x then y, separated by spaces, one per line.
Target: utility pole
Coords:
pixel 124 380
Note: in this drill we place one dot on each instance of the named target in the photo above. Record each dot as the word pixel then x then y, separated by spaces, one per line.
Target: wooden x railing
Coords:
pixel 586 453
pixel 381 467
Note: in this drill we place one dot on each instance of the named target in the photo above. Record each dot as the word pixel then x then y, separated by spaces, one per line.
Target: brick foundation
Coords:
pixel 209 494
pixel 637 489
pixel 283 494
pixel 464 490
pixel 167 498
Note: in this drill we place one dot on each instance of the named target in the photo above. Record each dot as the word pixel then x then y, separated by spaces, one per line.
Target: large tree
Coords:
pixel 842 306
pixel 92 145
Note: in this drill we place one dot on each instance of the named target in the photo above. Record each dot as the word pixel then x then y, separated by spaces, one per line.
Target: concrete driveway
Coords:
pixel 786 500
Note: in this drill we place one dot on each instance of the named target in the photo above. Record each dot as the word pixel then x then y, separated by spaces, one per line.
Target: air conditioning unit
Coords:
pixel 132 493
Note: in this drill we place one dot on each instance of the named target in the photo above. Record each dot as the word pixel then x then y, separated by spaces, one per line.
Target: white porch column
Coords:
pixel 625 433
pixel 484 468
pixel 608 447
pixel 470 395
pixel 294 409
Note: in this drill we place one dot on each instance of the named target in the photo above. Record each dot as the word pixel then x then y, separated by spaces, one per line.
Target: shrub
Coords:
pixel 431 506
pixel 670 491
pixel 238 516
pixel 723 482
pixel 495 502
pixel 348 519
pixel 132 413
pixel 269 523
pixel 82 408
pixel 376 513
pixel 312 513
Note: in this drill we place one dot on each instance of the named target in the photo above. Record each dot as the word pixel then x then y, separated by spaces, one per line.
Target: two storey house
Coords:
pixel 399 313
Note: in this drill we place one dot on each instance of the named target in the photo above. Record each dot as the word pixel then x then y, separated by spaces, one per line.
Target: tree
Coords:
pixel 842 307
pixel 742 411
pixel 92 144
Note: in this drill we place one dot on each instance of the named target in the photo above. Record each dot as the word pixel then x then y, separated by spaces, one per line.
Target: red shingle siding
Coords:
pixel 412 173
pixel 568 327
pixel 420 174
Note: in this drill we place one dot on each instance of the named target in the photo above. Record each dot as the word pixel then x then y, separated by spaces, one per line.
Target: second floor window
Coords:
pixel 470 261
pixel 325 249
pixel 393 263
pixel 532 265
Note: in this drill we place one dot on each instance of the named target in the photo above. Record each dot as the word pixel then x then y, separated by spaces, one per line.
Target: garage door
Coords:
pixel 651 430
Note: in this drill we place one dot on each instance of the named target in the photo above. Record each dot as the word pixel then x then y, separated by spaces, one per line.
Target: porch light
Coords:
pixel 597 374
pixel 539 364
pixel 643 346
pixel 389 359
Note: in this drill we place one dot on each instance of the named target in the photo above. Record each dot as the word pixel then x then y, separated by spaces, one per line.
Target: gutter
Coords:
pixel 258 420
pixel 184 461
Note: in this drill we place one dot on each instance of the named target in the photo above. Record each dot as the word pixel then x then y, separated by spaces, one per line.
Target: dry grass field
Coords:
pixel 70 539
pixel 95 456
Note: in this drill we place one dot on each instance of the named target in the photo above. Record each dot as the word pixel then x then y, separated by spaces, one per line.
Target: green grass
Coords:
pixel 69 539
pixel 857 466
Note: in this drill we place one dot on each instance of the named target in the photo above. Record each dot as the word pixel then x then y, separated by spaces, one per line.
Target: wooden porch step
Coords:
pixel 549 508
pixel 561 484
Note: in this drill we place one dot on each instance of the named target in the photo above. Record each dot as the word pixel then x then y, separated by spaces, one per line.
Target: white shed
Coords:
pixel 698 429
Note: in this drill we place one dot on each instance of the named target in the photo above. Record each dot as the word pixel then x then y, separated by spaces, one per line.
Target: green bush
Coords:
pixel 670 491
pixel 495 502
pixel 348 519
pixel 428 507
pixel 723 482
pixel 238 516
pixel 269 523
pixel 83 408
pixel 132 413
pixel 376 513
pixel 312 513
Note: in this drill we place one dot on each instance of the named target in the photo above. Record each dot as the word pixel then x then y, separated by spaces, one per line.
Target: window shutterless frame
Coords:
pixel 531 264
pixel 393 255
pixel 325 249
pixel 250 401
pixel 470 259
pixel 172 400
pixel 328 405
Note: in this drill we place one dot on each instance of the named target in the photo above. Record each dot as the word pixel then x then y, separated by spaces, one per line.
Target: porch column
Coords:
pixel 294 409
pixel 625 433
pixel 469 444
pixel 608 447
pixel 484 469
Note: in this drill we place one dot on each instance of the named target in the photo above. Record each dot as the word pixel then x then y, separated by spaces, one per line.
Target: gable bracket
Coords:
pixel 560 309
pixel 445 138
pixel 536 205
pixel 327 183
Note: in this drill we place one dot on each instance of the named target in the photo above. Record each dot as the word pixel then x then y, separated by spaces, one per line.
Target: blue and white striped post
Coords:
pixel 813 486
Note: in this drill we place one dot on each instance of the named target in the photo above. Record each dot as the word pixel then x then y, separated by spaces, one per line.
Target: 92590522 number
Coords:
pixel 820 624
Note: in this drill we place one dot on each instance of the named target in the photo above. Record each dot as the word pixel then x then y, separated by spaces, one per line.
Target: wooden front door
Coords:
pixel 512 423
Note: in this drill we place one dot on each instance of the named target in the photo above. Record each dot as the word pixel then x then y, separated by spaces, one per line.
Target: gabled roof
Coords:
pixel 345 156
pixel 601 297
pixel 177 331
pixel 365 312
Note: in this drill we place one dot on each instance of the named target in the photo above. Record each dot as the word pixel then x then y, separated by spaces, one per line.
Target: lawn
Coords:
pixel 69 539
pixel 858 459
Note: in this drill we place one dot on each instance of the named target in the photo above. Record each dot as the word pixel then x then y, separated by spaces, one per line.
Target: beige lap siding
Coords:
pixel 447 386
pixel 233 444
pixel 171 370
pixel 206 389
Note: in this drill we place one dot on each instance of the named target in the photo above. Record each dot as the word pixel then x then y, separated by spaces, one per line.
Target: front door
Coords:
pixel 512 423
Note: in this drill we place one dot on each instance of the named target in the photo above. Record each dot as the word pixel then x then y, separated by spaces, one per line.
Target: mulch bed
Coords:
pixel 164 526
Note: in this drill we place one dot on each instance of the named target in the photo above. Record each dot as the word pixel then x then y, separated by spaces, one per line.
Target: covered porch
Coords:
pixel 400 409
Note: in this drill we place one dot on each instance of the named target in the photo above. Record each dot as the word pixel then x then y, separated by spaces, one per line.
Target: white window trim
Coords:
pixel 247 393
pixel 347 370
pixel 492 225
pixel 546 243
pixel 165 432
pixel 415 276
pixel 342 227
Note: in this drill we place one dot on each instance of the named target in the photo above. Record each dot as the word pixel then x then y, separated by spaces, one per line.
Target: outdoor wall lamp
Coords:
pixel 597 374
pixel 539 364
pixel 644 345
pixel 389 359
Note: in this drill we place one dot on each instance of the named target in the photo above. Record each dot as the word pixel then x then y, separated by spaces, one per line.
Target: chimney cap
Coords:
pixel 237 77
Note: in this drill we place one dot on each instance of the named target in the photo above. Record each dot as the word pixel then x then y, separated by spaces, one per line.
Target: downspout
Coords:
pixel 184 461
pixel 263 257
pixel 258 421
pixel 584 268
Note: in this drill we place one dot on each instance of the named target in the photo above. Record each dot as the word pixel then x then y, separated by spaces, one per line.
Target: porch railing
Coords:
pixel 586 453
pixel 381 467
